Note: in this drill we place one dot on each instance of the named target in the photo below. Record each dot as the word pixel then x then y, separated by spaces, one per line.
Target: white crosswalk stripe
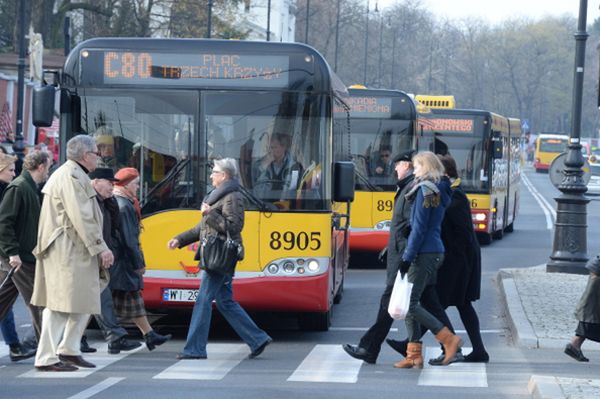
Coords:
pixel 101 359
pixel 468 375
pixel 327 363
pixel 222 358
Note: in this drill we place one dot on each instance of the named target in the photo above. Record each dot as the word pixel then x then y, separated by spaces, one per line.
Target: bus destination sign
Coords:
pixel 444 125
pixel 128 67
pixel 370 107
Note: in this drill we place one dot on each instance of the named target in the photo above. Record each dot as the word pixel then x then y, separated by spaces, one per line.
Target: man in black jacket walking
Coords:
pixel 370 343
pixel 19 217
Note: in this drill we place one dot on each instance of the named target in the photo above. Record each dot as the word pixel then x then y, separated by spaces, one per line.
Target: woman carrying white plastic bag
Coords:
pixel 400 299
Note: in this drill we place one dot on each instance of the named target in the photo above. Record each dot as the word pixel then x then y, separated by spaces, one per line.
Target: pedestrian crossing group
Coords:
pixel 323 364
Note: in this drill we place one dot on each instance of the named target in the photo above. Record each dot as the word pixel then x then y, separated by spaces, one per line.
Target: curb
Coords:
pixel 519 324
pixel 544 387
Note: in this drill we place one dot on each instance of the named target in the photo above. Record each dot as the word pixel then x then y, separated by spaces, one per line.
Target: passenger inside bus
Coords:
pixel 383 164
pixel 106 148
pixel 277 174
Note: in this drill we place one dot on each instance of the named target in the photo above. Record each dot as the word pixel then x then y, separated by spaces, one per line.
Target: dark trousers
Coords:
pixel 107 320
pixel 20 283
pixel 373 338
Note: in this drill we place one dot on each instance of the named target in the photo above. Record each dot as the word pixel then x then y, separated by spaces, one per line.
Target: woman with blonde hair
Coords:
pixel 424 254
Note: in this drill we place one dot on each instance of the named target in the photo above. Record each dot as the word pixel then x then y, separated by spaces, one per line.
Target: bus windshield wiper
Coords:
pixel 168 177
pixel 367 183
pixel 262 205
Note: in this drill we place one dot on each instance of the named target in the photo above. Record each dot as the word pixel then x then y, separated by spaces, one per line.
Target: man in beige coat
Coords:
pixel 71 258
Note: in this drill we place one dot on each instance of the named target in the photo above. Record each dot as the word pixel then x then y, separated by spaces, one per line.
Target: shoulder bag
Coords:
pixel 219 255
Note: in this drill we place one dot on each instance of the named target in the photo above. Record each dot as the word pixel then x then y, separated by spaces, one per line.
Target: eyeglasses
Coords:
pixel 212 172
pixel 385 155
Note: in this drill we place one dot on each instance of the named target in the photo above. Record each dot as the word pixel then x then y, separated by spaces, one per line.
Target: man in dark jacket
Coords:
pixel 114 333
pixel 19 216
pixel 370 343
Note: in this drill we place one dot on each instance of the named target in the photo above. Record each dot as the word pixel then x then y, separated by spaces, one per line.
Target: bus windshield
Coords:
pixel 277 138
pixel 373 144
pixel 553 145
pixel 463 138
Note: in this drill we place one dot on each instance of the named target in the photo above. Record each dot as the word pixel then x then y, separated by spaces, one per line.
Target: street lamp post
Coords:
pixel 19 146
pixel 269 20
pixel 209 24
pixel 306 26
pixel 569 252
pixel 337 35
pixel 366 45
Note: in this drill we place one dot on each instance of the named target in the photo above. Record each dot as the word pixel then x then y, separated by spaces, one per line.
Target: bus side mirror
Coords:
pixel 343 181
pixel 497 149
pixel 43 106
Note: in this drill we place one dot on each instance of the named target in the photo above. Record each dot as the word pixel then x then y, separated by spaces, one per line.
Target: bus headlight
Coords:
pixel 273 268
pixel 313 265
pixel 383 225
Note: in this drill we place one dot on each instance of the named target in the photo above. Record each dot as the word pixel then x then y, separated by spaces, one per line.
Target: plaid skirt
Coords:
pixel 128 304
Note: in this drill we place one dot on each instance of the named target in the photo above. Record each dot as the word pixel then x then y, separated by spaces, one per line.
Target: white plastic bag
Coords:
pixel 400 299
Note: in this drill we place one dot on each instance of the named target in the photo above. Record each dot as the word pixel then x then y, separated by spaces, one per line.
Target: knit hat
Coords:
pixel 125 176
pixel 6 160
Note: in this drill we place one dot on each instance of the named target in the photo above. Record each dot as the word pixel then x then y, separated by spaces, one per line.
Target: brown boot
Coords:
pixel 451 343
pixel 414 357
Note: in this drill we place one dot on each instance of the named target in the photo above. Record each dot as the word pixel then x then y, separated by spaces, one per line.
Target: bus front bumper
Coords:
pixel 283 294
pixel 370 241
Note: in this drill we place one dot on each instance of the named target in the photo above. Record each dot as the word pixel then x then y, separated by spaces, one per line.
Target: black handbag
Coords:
pixel 219 255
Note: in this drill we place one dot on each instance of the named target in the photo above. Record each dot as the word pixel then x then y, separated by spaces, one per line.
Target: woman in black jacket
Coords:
pixel 126 275
pixel 222 215
pixel 459 277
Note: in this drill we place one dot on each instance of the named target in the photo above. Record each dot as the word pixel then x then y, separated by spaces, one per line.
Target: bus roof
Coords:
pixel 315 70
pixel 553 136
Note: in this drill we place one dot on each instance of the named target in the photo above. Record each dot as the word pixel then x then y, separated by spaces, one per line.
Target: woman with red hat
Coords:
pixel 126 274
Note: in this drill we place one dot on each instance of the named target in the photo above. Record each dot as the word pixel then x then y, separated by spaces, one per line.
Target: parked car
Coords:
pixel 594 183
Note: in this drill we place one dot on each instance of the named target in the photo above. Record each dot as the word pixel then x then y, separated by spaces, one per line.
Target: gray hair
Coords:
pixel 227 165
pixel 34 159
pixel 79 145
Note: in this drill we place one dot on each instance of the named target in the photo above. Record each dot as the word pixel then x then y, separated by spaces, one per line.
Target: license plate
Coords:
pixel 179 295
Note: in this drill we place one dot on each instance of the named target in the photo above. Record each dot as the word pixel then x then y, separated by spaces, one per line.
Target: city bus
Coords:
pixel 547 147
pixel 169 107
pixel 383 123
pixel 486 148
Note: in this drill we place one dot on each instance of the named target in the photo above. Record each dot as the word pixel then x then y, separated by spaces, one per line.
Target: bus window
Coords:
pixel 274 142
pixel 153 132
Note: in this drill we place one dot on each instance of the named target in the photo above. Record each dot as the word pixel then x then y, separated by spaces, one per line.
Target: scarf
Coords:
pixel 228 186
pixel 121 192
pixel 431 193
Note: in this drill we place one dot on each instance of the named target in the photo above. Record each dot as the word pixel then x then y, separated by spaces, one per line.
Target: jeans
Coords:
pixel 218 287
pixel 9 332
pixel 421 273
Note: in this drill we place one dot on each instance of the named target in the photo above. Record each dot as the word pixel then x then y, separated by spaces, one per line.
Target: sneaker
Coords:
pixel 122 344
pixel 18 352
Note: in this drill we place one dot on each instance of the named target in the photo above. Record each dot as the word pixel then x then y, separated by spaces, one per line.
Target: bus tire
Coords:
pixel 510 228
pixel 315 321
pixel 484 238
pixel 538 170
pixel 498 234
pixel 340 293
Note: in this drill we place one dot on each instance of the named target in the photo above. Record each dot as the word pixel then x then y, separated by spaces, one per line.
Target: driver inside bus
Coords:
pixel 383 166
pixel 277 174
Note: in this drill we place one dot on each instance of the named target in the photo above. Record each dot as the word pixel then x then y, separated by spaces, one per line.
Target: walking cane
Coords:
pixel 8 276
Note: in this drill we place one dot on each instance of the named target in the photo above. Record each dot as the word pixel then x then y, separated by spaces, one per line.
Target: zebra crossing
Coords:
pixel 324 363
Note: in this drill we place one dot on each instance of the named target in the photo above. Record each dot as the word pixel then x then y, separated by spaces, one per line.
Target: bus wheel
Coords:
pixel 340 293
pixel 510 228
pixel 315 321
pixel 484 238
pixel 498 234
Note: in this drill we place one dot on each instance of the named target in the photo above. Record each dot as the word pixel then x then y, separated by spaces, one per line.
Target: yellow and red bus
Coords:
pixel 486 148
pixel 383 123
pixel 548 146
pixel 169 107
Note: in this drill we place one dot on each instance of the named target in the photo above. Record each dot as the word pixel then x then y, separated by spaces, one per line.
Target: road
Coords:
pixel 301 365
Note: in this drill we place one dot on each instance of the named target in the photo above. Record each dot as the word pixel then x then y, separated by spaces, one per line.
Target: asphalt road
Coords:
pixel 302 365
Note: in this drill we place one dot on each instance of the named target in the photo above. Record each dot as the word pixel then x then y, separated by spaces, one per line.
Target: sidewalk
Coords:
pixel 540 308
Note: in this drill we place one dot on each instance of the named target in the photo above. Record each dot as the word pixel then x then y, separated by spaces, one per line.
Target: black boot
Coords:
pixel 85 347
pixel 153 339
